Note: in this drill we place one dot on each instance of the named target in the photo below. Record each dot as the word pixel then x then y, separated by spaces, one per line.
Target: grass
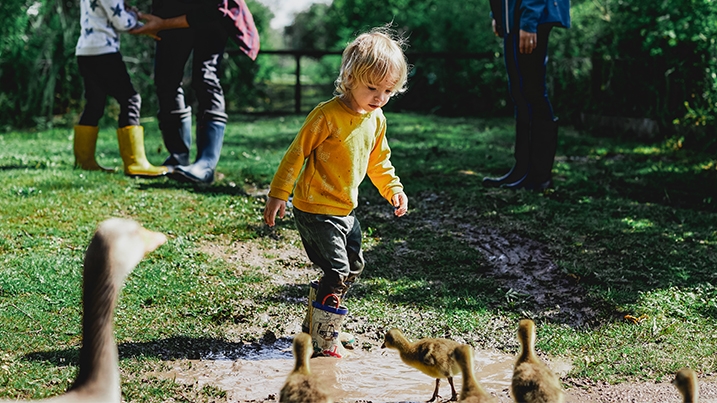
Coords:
pixel 633 223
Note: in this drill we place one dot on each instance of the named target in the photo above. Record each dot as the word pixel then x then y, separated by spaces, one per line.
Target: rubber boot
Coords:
pixel 544 144
pixel 326 322
pixel 347 339
pixel 306 324
pixel 131 146
pixel 84 145
pixel 210 136
pixel 177 136
pixel 521 154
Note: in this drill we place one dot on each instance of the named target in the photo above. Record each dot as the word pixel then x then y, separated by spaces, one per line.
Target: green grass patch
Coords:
pixel 634 224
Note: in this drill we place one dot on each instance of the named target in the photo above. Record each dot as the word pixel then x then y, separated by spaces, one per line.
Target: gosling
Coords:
pixel 300 386
pixel 433 357
pixel 471 391
pixel 533 381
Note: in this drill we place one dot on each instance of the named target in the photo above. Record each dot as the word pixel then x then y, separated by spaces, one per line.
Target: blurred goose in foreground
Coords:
pixel 686 382
pixel 471 391
pixel 433 357
pixel 117 246
pixel 300 386
pixel 533 381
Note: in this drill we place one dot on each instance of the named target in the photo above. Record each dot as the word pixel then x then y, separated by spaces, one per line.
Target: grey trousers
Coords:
pixel 334 244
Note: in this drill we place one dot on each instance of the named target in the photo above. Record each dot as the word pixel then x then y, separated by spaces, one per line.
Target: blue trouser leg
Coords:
pixel 526 80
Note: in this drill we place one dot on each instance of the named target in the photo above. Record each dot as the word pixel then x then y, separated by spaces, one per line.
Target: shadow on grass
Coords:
pixel 217 188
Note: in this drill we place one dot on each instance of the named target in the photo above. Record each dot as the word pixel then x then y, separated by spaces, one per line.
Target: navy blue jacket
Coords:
pixel 532 14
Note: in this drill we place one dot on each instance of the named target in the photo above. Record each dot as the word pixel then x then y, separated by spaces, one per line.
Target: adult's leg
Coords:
pixel 516 88
pixel 175 116
pixel 532 70
pixel 211 116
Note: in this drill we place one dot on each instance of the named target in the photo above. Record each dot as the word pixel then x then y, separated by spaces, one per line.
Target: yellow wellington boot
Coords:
pixel 131 146
pixel 85 142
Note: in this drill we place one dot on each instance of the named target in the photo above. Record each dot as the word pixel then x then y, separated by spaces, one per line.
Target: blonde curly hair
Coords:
pixel 372 58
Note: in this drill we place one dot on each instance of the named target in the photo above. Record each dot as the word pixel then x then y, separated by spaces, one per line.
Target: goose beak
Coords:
pixel 152 240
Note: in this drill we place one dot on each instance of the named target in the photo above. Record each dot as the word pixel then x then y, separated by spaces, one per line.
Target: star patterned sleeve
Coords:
pixel 118 16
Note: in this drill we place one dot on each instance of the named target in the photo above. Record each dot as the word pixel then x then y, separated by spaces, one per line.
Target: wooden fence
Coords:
pixel 412 56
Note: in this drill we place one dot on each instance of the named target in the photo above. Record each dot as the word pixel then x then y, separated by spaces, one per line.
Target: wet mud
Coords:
pixel 522 266
pixel 377 375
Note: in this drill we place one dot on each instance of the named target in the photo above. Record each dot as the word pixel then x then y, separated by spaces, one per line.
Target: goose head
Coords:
pixel 393 339
pixel 119 245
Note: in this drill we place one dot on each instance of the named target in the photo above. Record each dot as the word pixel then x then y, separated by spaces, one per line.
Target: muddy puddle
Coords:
pixel 378 375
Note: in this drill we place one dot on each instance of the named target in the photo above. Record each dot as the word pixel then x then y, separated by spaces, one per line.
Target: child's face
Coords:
pixel 365 98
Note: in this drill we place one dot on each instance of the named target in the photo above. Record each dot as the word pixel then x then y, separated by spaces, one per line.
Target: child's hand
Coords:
pixel 273 205
pixel 400 203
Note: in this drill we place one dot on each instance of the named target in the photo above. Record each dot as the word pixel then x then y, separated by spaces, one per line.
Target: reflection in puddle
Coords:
pixel 377 375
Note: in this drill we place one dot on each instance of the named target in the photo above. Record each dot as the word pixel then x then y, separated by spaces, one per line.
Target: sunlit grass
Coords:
pixel 633 224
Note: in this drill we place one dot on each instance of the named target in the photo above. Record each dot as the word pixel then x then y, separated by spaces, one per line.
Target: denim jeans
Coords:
pixel 206 45
pixel 334 244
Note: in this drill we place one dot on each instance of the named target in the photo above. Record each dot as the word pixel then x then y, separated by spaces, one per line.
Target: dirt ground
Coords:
pixel 518 263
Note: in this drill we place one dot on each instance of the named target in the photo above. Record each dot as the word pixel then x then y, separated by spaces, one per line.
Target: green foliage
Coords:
pixel 450 87
pixel 625 58
pixel 41 85
pixel 38 42
pixel 642 58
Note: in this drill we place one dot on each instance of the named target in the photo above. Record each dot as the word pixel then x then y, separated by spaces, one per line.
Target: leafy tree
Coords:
pixel 39 79
pixel 454 86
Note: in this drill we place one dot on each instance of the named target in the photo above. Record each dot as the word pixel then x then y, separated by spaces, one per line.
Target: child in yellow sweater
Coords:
pixel 341 141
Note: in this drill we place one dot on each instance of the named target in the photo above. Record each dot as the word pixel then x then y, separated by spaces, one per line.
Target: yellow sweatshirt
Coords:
pixel 340 147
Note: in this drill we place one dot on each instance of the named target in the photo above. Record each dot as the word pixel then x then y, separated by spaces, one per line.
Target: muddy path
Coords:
pixel 520 265
pixel 256 372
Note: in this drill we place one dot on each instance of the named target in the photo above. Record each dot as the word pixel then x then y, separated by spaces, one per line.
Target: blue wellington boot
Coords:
pixel 210 136
pixel 177 135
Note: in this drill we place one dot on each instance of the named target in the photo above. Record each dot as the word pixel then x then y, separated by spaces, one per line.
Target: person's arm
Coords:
pixel 313 132
pixel 400 204
pixel 528 42
pixel 153 24
pixel 383 174
pixel 530 12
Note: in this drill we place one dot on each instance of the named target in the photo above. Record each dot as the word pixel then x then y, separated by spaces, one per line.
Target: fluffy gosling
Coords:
pixel 433 357
pixel 533 381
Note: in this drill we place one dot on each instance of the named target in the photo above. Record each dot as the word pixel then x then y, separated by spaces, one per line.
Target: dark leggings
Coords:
pixel 107 75
pixel 526 76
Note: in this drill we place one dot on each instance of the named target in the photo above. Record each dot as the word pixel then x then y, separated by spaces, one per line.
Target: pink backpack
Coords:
pixel 239 22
